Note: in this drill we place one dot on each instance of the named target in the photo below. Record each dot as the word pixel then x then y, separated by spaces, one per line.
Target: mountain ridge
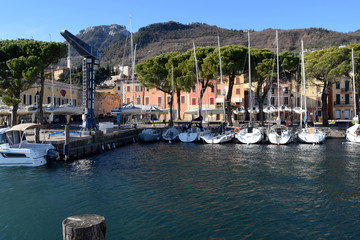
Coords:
pixel 157 38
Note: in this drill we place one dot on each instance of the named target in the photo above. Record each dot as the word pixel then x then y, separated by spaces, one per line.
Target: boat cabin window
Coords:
pixel 2 139
pixel 14 137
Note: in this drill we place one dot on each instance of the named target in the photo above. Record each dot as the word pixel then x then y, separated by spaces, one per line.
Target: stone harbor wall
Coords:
pixel 104 102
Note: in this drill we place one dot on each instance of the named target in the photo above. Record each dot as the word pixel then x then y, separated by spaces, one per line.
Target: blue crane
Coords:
pixel 91 58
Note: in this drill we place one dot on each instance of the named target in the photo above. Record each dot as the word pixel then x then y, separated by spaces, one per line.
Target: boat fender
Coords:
pixel 113 145
pixel 103 147
pixel 108 146
pixel 236 130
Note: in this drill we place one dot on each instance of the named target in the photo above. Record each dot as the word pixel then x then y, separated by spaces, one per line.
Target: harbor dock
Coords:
pixel 73 146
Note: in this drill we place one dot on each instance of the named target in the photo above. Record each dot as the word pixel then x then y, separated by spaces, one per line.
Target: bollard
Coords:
pixel 84 227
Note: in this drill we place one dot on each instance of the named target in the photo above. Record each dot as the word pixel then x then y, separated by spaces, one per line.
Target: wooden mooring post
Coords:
pixel 84 227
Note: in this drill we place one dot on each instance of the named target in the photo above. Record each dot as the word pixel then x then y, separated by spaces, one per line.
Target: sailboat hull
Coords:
pixel 353 134
pixel 279 134
pixel 249 137
pixel 216 138
pixel 310 135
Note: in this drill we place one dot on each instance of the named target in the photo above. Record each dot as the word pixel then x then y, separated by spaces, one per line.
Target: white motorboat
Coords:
pixel 310 135
pixel 279 134
pixel 65 109
pixel 171 134
pixel 16 151
pixel 150 135
pixel 353 133
pixel 249 135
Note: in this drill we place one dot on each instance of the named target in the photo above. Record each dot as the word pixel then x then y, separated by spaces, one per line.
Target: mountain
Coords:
pixel 159 38
pixel 100 37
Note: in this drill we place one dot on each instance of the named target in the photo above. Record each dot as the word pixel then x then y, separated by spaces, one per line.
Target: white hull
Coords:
pixel 192 135
pixel 150 135
pixel 215 138
pixel 64 110
pixel 249 135
pixel 311 135
pixel 279 134
pixel 172 134
pixel 32 155
pixel 353 134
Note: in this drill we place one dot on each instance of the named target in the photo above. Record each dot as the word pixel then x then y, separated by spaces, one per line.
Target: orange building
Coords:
pixel 212 97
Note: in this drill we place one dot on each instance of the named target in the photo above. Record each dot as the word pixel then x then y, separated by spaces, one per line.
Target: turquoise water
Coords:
pixel 192 191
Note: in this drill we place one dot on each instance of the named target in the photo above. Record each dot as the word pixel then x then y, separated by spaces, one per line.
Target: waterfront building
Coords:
pixel 212 97
pixel 341 100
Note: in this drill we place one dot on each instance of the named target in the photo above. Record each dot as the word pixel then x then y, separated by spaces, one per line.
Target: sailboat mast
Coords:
pixel 278 73
pixel 303 90
pixel 221 80
pixel 197 78
pixel 353 73
pixel 132 62
pixel 250 97
pixel 52 87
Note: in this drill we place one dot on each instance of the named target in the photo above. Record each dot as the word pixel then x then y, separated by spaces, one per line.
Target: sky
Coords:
pixel 43 19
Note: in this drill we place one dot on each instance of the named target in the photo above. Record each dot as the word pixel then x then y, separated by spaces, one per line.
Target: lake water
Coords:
pixel 192 191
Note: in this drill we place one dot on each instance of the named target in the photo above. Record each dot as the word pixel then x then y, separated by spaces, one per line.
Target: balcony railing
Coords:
pixel 343 103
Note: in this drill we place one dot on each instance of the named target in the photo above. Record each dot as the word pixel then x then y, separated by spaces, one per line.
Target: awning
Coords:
pixel 24 126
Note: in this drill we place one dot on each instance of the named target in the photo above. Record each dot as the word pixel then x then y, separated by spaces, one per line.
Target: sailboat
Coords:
pixel 192 133
pixel 221 135
pixel 353 133
pixel 172 133
pixel 249 134
pixel 306 134
pixel 279 134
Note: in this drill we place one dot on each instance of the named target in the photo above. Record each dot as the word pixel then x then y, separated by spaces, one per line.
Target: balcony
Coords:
pixel 345 90
pixel 343 103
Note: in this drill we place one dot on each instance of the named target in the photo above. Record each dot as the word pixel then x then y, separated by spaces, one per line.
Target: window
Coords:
pixel 237 91
pixel 57 101
pixel 127 100
pixel 218 92
pixel 168 99
pixel 272 101
pixel 193 101
pixel 347 86
pixel 286 100
pixel 212 101
pixel 337 85
pixel 182 99
pixel 237 80
pixel 266 101
pixel 74 102
pixel 347 98
pixel 286 90
pixel 272 90
pixel 138 88
pixel 338 114
pixel 318 89
pixel 337 99
pixel 318 100
pixel 118 88
pixel 159 100
pixel 193 89
pixel 27 99
pixel 128 89
pixel 65 100
pixel 212 89
pixel 147 100
pixel 347 114
pixel 48 100
pixel 138 100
